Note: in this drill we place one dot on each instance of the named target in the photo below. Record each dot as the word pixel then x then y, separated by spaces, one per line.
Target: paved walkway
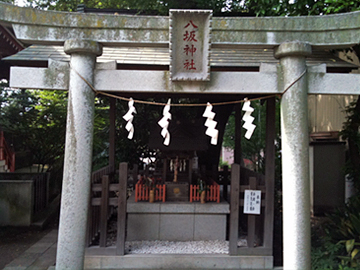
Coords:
pixel 39 256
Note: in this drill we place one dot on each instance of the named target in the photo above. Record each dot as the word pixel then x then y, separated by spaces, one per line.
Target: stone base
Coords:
pixel 176 221
pixel 176 261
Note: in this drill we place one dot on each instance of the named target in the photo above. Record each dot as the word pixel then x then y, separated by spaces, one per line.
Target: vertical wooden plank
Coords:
pixel 237 151
pixel 112 133
pixel 234 209
pixel 47 188
pixel 251 219
pixel 104 210
pixel 89 224
pixel 164 193
pixel 136 192
pixel 269 172
pixel 121 222
pixel 218 194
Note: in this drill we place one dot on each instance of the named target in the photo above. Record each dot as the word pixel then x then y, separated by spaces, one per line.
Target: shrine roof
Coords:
pixel 38 55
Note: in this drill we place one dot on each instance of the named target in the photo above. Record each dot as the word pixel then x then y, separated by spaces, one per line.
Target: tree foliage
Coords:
pixel 34 122
pixel 299 7
pixel 157 7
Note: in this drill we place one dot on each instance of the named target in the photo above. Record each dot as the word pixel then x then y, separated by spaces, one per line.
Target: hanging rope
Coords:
pixel 187 104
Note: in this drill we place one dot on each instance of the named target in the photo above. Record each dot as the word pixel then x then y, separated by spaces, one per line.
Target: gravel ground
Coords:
pixel 172 247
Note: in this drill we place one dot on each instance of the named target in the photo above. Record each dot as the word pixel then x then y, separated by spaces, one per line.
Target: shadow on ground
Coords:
pixel 16 240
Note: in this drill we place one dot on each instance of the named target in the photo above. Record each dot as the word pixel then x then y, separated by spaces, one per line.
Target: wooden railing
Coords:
pixel 257 225
pixel 142 192
pixel 41 192
pixel 6 153
pixel 94 221
pixel 212 194
pixel 112 200
pixel 97 175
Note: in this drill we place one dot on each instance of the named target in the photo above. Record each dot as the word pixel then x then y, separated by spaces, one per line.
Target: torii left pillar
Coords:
pixel 78 155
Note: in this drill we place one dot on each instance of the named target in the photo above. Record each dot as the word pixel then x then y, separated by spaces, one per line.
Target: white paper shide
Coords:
pixel 164 123
pixel 211 124
pixel 248 119
pixel 129 118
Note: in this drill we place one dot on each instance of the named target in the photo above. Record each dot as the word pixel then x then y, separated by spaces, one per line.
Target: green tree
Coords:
pixel 299 7
pixel 252 149
pixel 35 123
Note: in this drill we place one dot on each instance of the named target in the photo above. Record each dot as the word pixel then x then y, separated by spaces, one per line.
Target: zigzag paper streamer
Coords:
pixel 211 124
pixel 164 123
pixel 248 125
pixel 129 118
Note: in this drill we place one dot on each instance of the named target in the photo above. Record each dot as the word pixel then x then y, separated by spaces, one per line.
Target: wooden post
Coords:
pixel 121 222
pixel 251 218
pixel 112 133
pixel 237 152
pixel 234 209
pixel 269 173
pixel 104 210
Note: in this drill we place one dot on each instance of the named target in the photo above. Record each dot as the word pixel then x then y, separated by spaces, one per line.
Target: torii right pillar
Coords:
pixel 295 156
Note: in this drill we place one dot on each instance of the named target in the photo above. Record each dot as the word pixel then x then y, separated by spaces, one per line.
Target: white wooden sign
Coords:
pixel 252 202
pixel 190 45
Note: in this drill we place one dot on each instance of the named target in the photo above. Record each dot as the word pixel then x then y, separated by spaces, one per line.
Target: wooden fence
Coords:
pixel 109 197
pixel 6 153
pixel 41 191
pixel 94 222
pixel 142 192
pixel 212 194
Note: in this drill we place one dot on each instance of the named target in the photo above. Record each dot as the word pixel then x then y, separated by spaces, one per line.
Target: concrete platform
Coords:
pixel 180 261
pixel 176 221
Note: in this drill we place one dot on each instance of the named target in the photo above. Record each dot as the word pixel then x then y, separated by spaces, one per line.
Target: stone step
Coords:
pixel 2 162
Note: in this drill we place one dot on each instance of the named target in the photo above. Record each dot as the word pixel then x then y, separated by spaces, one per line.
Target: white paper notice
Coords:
pixel 252 202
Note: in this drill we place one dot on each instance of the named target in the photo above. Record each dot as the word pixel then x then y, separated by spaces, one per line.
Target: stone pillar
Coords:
pixel 295 156
pixel 78 155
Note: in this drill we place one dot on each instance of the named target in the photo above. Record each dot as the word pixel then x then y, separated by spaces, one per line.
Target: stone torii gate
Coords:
pixel 84 35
